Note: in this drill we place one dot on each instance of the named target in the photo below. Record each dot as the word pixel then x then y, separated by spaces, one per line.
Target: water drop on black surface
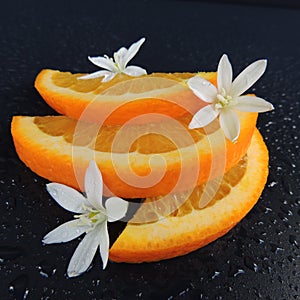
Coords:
pixel 276 249
pixel 280 279
pixel 293 240
pixel 239 271
pixel 216 274
pixel 235 271
pixel 284 208
pixel 250 264
pixel 291 258
pixel 10 203
pixel 272 184
pixel 257 293
pixel 267 210
pixel 19 287
pixel 96 282
pixel 257 239
pixel 46 269
pixel 267 267
pixel 4 226
pixel 287 186
pixel 47 292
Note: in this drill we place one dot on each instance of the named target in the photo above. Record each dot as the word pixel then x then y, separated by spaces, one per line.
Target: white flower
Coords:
pixel 92 219
pixel 227 97
pixel 118 64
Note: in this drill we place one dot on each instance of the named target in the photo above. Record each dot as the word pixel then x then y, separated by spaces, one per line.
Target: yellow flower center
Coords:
pixel 91 218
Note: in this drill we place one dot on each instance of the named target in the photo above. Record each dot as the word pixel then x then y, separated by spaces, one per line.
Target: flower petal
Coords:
pixel 230 124
pixel 116 208
pixel 104 243
pixel 119 58
pixel 203 89
pixel 94 186
pixel 97 74
pixel 134 71
pixel 248 77
pixel 132 51
pixel 103 62
pixel 203 117
pixel 109 76
pixel 65 232
pixel 67 197
pixel 224 74
pixel 84 253
pixel 252 104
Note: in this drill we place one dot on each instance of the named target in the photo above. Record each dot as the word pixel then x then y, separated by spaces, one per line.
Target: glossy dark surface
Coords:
pixel 258 258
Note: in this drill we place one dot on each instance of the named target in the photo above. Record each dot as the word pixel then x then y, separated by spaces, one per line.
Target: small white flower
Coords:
pixel 118 64
pixel 227 97
pixel 92 219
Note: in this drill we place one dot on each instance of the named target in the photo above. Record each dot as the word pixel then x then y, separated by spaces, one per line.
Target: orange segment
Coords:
pixel 178 205
pixel 121 99
pixel 190 227
pixel 136 160
pixel 147 138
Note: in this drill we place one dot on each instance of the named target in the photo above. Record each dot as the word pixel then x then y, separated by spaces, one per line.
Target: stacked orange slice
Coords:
pixel 121 99
pixel 136 129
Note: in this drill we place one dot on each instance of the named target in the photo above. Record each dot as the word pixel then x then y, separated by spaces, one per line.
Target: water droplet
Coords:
pixel 10 203
pixel 5 226
pixel 96 282
pixel 184 292
pixel 257 293
pixel 293 241
pixel 276 249
pixel 10 252
pixel 46 269
pixel 273 183
pixel 48 291
pixel 258 240
pixel 216 274
pixel 239 271
pixel 25 294
pixel 18 287
pixel 249 263
pixel 266 265
pixel 287 185
pixel 280 279
pixel 267 210
pixel 234 271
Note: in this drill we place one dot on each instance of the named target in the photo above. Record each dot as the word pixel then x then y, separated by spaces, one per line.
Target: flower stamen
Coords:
pixel 227 97
pixel 223 101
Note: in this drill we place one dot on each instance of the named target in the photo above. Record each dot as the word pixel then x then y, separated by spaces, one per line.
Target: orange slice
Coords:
pixel 190 227
pixel 121 99
pixel 136 161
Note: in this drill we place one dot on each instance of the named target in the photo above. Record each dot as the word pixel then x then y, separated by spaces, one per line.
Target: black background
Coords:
pixel 267 3
pixel 258 258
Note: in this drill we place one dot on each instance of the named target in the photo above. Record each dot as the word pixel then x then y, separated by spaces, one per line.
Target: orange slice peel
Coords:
pixel 192 227
pixel 121 99
pixel 46 145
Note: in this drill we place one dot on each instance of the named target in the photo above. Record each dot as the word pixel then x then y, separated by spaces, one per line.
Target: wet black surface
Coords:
pixel 258 258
